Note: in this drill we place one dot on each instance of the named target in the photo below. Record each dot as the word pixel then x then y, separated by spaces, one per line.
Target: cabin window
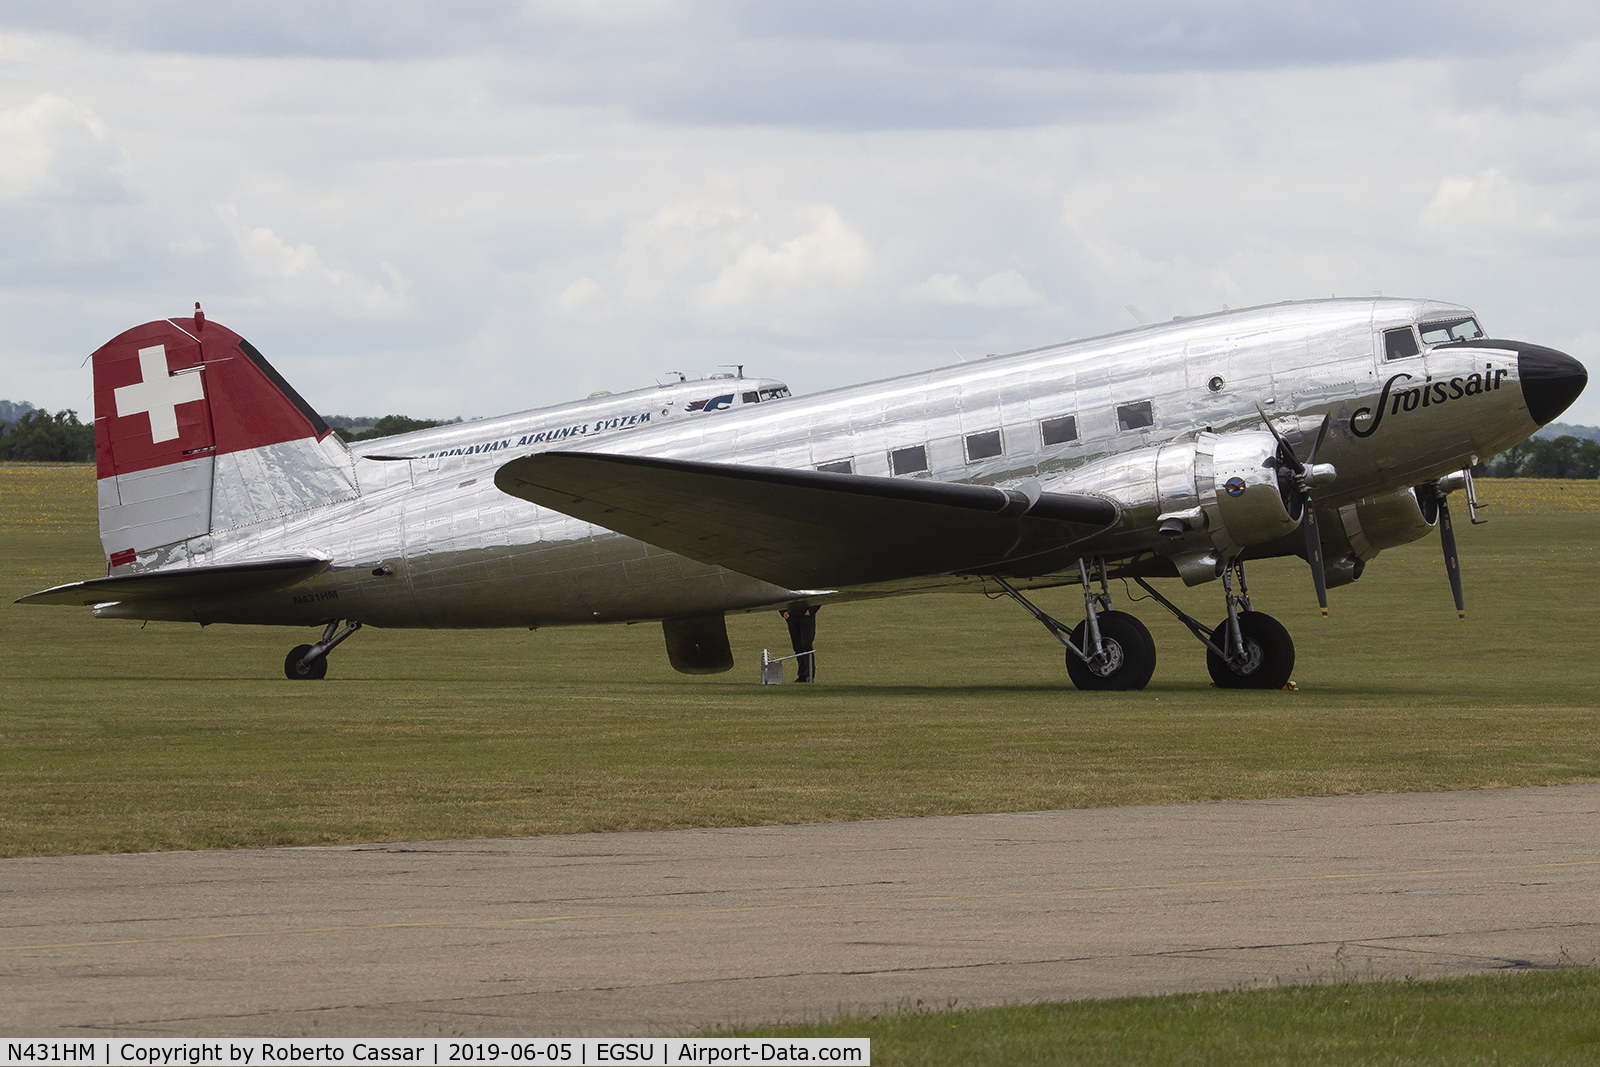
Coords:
pixel 775 393
pixel 752 398
pixel 843 466
pixel 984 445
pixel 1440 333
pixel 1398 344
pixel 909 460
pixel 1135 416
pixel 1060 430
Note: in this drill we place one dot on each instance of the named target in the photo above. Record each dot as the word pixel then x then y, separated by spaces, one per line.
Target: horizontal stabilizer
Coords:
pixel 806 529
pixel 183 583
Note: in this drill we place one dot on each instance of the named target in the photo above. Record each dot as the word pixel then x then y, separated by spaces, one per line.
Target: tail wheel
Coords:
pixel 308 672
pixel 1268 659
pixel 1129 659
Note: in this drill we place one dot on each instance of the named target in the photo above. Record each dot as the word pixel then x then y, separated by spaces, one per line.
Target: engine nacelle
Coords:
pixel 1249 500
pixel 1229 486
pixel 1387 521
pixel 1343 571
pixel 1213 496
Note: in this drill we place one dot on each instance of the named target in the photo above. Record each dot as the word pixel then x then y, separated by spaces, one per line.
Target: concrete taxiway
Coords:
pixel 643 933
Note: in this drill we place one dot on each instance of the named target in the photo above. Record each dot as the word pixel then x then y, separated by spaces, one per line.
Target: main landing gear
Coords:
pixel 1109 649
pixel 310 662
pixel 1249 649
pixel 1112 649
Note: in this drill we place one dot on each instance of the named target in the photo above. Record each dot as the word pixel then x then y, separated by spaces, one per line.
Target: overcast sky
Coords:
pixel 469 208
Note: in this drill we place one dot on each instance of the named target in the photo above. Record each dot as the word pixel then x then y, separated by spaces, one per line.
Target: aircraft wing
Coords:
pixel 805 529
pixel 183 583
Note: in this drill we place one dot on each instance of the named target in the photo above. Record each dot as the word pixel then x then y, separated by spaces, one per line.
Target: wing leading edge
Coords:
pixel 805 529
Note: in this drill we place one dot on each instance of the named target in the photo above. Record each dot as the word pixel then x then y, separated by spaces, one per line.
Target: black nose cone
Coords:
pixel 1551 381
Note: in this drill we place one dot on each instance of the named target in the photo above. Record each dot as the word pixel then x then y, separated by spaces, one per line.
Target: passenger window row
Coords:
pixel 988 444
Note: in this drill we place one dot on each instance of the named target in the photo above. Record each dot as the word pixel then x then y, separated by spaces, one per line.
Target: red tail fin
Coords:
pixel 186 412
pixel 177 388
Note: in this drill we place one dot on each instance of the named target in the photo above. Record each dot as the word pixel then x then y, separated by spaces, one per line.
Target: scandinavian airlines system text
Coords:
pixel 545 436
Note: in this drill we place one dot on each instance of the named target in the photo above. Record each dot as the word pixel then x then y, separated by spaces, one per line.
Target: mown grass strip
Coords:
pixel 1531 1018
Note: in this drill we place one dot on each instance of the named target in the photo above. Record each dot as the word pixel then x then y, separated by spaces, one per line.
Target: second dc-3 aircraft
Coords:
pixel 1329 429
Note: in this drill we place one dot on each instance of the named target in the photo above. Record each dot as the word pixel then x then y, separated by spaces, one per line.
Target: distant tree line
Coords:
pixel 27 433
pixel 11 411
pixel 387 426
pixel 43 437
pixel 1568 429
pixel 1543 457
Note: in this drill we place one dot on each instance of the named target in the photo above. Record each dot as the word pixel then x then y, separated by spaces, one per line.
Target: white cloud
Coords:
pixel 727 265
pixel 568 200
pixel 680 248
pixel 1004 289
pixel 582 299
pixel 1570 80
pixel 296 276
pixel 800 273
pixel 52 148
pixel 1480 214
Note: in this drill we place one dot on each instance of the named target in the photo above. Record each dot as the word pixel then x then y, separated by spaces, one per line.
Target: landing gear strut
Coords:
pixel 1249 649
pixel 1109 649
pixel 310 662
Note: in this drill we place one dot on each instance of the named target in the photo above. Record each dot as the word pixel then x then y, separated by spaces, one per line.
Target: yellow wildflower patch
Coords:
pixel 46 497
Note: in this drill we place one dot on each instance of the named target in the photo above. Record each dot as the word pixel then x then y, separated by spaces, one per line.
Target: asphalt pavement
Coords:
pixel 635 934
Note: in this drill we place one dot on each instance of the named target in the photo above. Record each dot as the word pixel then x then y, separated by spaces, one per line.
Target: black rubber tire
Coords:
pixel 1270 648
pixel 314 671
pixel 1134 647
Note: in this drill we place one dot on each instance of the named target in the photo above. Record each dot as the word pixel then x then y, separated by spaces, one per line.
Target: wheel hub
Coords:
pixel 1252 659
pixel 1110 659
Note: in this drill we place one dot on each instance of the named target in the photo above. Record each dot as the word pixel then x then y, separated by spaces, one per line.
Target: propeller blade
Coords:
pixel 1447 537
pixel 1314 555
pixel 1316 446
pixel 1287 458
pixel 1285 453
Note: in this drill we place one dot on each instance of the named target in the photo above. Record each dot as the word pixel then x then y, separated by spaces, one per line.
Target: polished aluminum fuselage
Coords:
pixel 430 541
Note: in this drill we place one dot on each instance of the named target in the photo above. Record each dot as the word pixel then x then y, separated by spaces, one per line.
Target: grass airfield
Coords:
pixel 119 738
pixel 1545 1018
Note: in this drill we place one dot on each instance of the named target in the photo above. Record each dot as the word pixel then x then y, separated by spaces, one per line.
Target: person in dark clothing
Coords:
pixel 802 620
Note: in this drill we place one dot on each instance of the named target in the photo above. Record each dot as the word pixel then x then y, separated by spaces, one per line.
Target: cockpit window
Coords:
pixel 1439 333
pixel 775 393
pixel 1398 344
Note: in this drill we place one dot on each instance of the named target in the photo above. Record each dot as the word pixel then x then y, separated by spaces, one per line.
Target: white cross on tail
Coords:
pixel 159 394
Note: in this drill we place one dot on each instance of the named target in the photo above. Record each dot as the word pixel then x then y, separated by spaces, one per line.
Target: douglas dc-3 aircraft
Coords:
pixel 1330 429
